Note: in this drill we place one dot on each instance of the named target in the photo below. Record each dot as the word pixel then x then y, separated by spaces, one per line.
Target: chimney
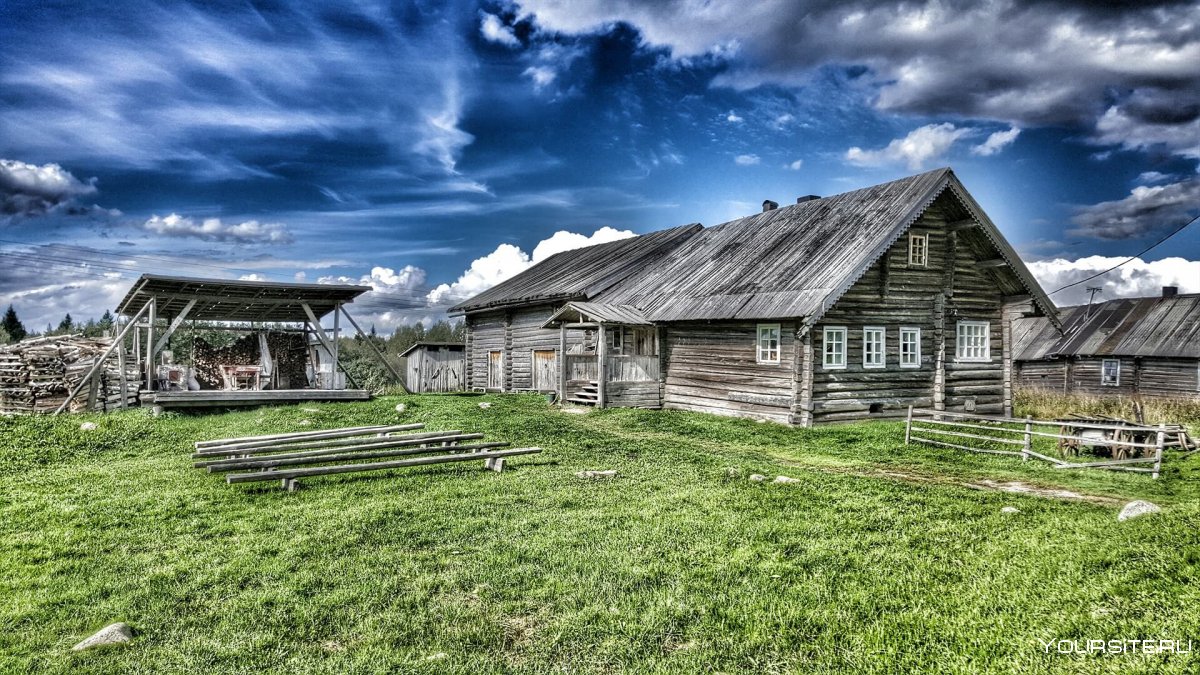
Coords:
pixel 1170 291
pixel 807 198
pixel 769 205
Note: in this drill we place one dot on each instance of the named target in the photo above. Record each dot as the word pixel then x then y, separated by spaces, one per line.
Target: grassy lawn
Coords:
pixel 881 558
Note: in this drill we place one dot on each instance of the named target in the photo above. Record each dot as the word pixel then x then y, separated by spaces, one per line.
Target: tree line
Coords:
pixel 12 329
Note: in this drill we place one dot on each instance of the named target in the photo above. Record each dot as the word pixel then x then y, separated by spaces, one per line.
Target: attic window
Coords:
pixel 918 250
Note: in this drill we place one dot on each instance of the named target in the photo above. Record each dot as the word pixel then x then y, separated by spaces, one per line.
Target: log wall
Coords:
pixel 711 367
pixel 517 333
pixel 1144 376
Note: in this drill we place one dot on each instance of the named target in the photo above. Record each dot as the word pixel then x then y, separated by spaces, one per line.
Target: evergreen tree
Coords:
pixel 4 338
pixel 106 322
pixel 66 325
pixel 13 326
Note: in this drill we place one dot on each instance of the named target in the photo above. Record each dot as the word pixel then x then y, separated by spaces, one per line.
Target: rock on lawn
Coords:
pixel 111 634
pixel 1137 509
pixel 87 426
pixel 596 474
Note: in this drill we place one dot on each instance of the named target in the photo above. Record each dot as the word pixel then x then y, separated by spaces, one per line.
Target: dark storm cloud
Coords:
pixel 32 190
pixel 1027 63
pixel 1147 210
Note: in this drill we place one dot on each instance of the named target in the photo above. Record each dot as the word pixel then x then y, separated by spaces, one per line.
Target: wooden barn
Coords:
pixel 844 307
pixel 1127 346
pixel 434 367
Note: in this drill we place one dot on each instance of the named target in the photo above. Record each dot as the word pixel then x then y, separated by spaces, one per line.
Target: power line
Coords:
pixel 1137 255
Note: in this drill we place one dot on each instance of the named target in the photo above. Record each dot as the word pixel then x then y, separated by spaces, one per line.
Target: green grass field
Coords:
pixel 880 559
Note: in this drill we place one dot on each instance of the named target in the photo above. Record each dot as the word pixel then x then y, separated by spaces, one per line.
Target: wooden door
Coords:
pixel 495 373
pixel 545 370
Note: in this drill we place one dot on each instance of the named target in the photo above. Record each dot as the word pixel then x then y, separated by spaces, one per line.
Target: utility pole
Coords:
pixel 1093 290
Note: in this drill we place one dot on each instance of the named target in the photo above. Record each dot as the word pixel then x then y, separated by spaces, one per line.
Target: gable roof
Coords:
pixel 797 261
pixel 598 312
pixel 579 274
pixel 1155 326
pixel 227 300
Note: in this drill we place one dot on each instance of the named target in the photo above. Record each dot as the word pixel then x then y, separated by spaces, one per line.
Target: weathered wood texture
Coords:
pixel 435 368
pixel 712 368
pixel 1146 377
pixel 517 334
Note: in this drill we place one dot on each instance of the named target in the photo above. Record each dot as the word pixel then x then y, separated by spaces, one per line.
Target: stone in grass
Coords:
pixel 785 479
pixel 157 410
pixel 485 405
pixel 400 407
pixel 1137 509
pixel 440 656
pixel 87 426
pixel 757 477
pixel 111 634
pixel 610 473
pixel 1010 509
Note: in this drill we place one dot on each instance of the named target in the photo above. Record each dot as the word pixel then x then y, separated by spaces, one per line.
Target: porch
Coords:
pixel 617 363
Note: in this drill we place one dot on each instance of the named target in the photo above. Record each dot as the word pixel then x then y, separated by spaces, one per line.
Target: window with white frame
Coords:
pixel 910 347
pixel 873 343
pixel 974 341
pixel 1110 372
pixel 768 343
pixel 616 339
pixel 834 347
pixel 918 250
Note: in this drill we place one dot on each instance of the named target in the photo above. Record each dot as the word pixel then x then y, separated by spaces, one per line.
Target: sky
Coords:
pixel 432 149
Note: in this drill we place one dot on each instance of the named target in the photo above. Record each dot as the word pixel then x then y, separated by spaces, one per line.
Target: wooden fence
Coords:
pixel 1016 437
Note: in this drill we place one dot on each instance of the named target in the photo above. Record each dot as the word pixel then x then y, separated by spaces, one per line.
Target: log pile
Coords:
pixel 37 374
pixel 288 352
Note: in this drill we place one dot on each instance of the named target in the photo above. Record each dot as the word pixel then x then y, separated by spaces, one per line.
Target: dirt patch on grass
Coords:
pixel 986 484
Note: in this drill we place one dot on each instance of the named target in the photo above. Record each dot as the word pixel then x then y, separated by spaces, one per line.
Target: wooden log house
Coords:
pixel 1146 347
pixel 433 367
pixel 838 308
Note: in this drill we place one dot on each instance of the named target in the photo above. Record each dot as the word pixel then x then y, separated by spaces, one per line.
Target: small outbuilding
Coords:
pixel 434 367
pixel 1127 346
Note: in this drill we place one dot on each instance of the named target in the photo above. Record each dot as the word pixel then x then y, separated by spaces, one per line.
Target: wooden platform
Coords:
pixel 220 398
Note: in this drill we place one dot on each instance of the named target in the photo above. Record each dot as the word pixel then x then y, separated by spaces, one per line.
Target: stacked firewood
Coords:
pixel 37 374
pixel 288 353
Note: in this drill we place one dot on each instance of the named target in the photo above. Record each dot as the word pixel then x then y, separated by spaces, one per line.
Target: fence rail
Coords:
pixel 937 427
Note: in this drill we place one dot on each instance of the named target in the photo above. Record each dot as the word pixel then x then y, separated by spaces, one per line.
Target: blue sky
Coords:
pixel 430 149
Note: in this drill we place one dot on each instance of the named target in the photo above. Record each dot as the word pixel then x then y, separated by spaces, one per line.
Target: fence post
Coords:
pixel 908 426
pixel 1158 450
pixel 1028 438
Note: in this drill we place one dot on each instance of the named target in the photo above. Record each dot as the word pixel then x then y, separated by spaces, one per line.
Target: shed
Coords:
pixel 435 367
pixel 156 306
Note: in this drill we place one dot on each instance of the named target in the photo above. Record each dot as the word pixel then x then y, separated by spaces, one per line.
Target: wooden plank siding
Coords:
pixel 516 333
pixel 712 367
pixel 1140 376
pixel 435 369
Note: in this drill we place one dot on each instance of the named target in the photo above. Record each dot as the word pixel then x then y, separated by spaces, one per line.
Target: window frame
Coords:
pixel 882 344
pixel 1103 377
pixel 987 341
pixel 825 333
pixel 916 343
pixel 614 337
pixel 758 344
pixel 913 238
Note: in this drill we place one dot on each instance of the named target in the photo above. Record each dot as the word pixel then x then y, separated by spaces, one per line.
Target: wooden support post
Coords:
pixel 121 368
pixel 175 324
pixel 1028 440
pixel 103 357
pixel 562 363
pixel 382 359
pixel 601 366
pixel 337 334
pixel 803 378
pixel 93 392
pixel 908 426
pixel 152 317
pixel 1158 450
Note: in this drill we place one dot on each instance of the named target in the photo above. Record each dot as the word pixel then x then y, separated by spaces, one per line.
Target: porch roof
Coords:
pixel 598 312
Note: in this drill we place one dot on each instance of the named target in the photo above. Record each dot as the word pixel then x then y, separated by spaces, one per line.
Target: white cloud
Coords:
pixel 542 76
pixel 734 118
pixel 300 276
pixel 921 145
pixel 507 261
pixel 996 142
pixel 1151 177
pixel 494 30
pixel 746 160
pixel 252 277
pixel 29 189
pixel 794 166
pixel 1137 278
pixel 212 229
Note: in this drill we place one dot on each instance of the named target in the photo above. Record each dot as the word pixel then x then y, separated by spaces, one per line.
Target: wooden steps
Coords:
pixel 589 394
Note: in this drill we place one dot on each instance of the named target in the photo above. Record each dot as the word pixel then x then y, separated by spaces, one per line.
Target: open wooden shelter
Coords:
pixel 157 306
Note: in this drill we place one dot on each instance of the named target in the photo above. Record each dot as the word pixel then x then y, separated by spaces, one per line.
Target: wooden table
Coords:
pixel 241 378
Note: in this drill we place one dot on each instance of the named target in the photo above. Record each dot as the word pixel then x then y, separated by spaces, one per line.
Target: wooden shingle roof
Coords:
pixel 579 274
pixel 797 261
pixel 1148 327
